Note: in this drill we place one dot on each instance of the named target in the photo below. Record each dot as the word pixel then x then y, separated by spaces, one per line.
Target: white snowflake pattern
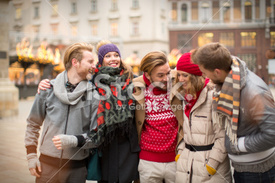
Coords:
pixel 165 103
pixel 151 105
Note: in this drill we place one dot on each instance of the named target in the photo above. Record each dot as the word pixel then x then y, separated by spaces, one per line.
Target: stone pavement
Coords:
pixel 13 163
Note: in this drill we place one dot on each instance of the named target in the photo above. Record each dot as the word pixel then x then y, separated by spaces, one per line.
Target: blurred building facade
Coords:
pixel 136 26
pixel 245 27
pixel 8 92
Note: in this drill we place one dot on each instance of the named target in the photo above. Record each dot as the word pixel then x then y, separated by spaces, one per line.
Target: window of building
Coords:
pixel 257 9
pixel 55 10
pixel 227 39
pixel 163 28
pixel 205 12
pixel 195 12
pixel 183 13
pixel 114 5
pixel 237 11
pixel 94 30
pixel 54 28
pixel 135 4
pixel 93 6
pixel 205 38
pixel 36 28
pixel 248 11
pixel 216 11
pixel 268 8
pixel 135 28
pixel 73 8
pixel 36 12
pixel 248 39
pixel 174 13
pixel 184 42
pixel 114 28
pixel 272 39
pixel 18 13
pixel 226 12
pixel 74 30
pixel 250 60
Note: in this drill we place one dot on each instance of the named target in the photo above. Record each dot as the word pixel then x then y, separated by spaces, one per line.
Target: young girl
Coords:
pixel 201 156
pixel 116 123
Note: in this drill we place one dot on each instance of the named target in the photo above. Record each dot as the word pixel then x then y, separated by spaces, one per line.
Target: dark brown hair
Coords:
pixel 212 56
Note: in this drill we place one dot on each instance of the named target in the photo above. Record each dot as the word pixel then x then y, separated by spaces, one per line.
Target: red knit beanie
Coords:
pixel 185 64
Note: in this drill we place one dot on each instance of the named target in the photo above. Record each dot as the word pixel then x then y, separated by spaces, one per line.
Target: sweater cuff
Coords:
pixel 241 145
pixel 31 149
pixel 213 163
pixel 80 140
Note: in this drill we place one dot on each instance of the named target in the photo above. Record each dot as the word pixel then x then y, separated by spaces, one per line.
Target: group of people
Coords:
pixel 182 125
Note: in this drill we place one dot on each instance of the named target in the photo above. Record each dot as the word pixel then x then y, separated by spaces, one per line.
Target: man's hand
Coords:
pixel 64 141
pixel 43 85
pixel 34 164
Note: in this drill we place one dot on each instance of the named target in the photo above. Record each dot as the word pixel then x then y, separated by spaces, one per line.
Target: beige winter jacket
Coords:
pixel 199 130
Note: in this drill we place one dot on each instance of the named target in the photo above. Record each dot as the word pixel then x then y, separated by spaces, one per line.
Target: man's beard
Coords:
pixel 160 85
pixel 217 82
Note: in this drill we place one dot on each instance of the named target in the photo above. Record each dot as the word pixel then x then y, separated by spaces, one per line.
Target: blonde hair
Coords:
pixel 127 69
pixel 197 84
pixel 152 60
pixel 75 51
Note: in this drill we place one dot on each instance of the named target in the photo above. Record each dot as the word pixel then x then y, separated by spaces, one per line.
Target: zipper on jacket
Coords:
pixel 65 131
pixel 190 117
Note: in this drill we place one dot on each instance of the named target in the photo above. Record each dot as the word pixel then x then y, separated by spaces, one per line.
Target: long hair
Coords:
pixel 197 84
pixel 127 69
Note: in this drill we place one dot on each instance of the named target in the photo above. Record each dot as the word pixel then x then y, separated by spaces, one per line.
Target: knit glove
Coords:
pixel 33 160
pixel 68 141
pixel 210 169
pixel 211 166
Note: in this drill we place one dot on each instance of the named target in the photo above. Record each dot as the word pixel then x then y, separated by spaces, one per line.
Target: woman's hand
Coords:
pixel 43 85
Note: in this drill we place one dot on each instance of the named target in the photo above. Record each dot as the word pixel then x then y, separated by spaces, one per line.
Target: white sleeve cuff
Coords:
pixel 241 144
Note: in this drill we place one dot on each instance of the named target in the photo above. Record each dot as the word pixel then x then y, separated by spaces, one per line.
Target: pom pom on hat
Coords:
pixel 104 49
pixel 184 64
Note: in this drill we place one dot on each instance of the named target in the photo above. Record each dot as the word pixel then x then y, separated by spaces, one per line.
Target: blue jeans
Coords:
pixel 249 177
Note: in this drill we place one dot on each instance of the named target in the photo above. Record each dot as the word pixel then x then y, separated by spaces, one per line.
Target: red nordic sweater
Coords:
pixel 159 133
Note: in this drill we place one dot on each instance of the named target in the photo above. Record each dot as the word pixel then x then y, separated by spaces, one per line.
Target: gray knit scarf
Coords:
pixel 60 91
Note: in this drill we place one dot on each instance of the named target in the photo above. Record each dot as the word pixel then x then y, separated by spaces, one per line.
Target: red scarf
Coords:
pixel 191 101
pixel 156 91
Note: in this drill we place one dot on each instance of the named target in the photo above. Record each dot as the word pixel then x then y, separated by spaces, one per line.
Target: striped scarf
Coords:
pixel 227 101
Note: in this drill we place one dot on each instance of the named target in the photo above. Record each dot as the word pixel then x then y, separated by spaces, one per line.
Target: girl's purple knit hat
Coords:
pixel 104 49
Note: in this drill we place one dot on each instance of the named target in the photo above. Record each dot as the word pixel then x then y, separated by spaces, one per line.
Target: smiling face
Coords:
pixel 184 79
pixel 111 59
pixel 86 64
pixel 160 76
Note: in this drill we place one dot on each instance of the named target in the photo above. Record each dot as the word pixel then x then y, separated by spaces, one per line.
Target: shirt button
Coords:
pixel 139 122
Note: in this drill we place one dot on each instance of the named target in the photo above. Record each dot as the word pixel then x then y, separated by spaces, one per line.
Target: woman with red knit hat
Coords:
pixel 201 155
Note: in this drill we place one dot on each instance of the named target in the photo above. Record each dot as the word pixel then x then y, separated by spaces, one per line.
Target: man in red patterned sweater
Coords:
pixel 159 116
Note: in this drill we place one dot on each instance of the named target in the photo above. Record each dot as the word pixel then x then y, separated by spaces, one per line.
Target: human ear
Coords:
pixel 74 62
pixel 147 75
